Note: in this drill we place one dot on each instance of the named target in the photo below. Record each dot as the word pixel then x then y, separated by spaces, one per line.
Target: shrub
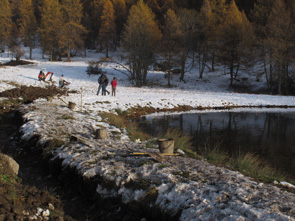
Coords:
pixel 17 52
pixel 94 68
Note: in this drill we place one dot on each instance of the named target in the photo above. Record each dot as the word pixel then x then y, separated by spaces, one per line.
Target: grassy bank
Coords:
pixel 247 163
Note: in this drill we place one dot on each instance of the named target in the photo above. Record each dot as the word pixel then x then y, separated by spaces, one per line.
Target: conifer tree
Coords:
pixel 205 26
pixel 95 15
pixel 5 23
pixel 107 32
pixel 28 24
pixel 121 17
pixel 219 8
pixel 188 26
pixel 236 38
pixel 50 28
pixel 141 37
pixel 171 35
pixel 260 17
pixel 281 42
pixel 72 30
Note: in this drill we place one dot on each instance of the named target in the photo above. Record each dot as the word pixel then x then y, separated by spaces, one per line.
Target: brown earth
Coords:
pixel 18 199
pixel 34 187
pixel 29 94
pixel 40 184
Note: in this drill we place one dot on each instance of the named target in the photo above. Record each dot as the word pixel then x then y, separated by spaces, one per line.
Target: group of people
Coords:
pixel 103 82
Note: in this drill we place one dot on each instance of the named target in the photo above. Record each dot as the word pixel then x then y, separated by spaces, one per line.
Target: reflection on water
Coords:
pixel 271 135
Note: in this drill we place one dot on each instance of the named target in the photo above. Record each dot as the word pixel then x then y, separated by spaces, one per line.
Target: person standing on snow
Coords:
pixel 114 85
pixel 99 80
pixel 105 82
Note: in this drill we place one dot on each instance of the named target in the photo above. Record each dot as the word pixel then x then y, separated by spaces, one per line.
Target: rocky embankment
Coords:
pixel 177 187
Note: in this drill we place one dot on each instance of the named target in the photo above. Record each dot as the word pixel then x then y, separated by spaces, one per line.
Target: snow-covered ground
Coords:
pixel 211 91
pixel 193 188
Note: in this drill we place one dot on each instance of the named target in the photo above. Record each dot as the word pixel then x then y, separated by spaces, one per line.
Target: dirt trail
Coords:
pixel 38 187
pixel 45 184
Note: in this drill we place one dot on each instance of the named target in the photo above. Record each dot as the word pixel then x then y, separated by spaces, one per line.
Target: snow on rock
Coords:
pixel 192 188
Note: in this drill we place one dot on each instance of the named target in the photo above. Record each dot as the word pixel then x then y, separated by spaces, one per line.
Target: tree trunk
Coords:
pixel 231 70
pixel 31 52
pixel 169 77
pixel 69 54
pixel 107 50
pixel 213 61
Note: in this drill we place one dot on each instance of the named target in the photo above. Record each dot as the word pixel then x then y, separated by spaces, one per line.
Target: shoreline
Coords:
pixel 192 188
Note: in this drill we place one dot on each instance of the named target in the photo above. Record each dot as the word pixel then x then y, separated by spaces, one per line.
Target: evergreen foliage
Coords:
pixel 28 24
pixel 72 30
pixel 201 34
pixel 107 32
pixel 141 37
pixel 5 23
pixel 51 28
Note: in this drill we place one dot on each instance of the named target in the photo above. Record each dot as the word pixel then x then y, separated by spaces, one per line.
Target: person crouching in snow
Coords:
pixel 114 85
pixel 41 76
pixel 63 82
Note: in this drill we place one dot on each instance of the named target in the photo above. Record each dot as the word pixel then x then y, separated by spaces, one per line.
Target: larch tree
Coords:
pixel 235 39
pixel 171 35
pixel 95 16
pixel 72 30
pixel 219 8
pixel 50 28
pixel 260 16
pixel 14 40
pixel 5 23
pixel 28 25
pixel 121 17
pixel 281 42
pixel 205 26
pixel 188 19
pixel 107 32
pixel 141 37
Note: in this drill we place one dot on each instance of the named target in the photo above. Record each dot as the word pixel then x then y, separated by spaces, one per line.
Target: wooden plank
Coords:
pixel 157 157
pixel 163 154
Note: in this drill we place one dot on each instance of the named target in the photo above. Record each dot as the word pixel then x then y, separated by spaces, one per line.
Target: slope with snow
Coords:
pixel 196 189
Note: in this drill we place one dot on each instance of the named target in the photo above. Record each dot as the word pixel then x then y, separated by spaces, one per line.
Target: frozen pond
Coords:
pixel 269 133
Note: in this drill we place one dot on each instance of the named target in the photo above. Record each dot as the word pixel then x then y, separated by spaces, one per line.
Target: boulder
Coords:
pixel 14 166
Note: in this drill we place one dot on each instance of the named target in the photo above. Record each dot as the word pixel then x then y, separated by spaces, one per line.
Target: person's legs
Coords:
pixel 114 91
pixel 99 87
pixel 103 87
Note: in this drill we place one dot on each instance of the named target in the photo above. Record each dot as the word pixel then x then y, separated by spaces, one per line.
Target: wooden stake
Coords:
pixel 81 98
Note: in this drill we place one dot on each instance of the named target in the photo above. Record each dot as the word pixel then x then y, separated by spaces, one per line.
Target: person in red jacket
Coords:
pixel 114 85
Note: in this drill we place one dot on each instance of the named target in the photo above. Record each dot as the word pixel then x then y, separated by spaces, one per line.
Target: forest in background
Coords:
pixel 171 35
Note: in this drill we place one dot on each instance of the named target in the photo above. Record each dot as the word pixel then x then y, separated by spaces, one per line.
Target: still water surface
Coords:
pixel 268 133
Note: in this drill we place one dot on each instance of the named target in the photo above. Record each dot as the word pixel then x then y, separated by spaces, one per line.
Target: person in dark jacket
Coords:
pixel 99 80
pixel 104 84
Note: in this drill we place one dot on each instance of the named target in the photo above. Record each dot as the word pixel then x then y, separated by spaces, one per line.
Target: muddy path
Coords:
pixel 39 183
pixel 44 183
